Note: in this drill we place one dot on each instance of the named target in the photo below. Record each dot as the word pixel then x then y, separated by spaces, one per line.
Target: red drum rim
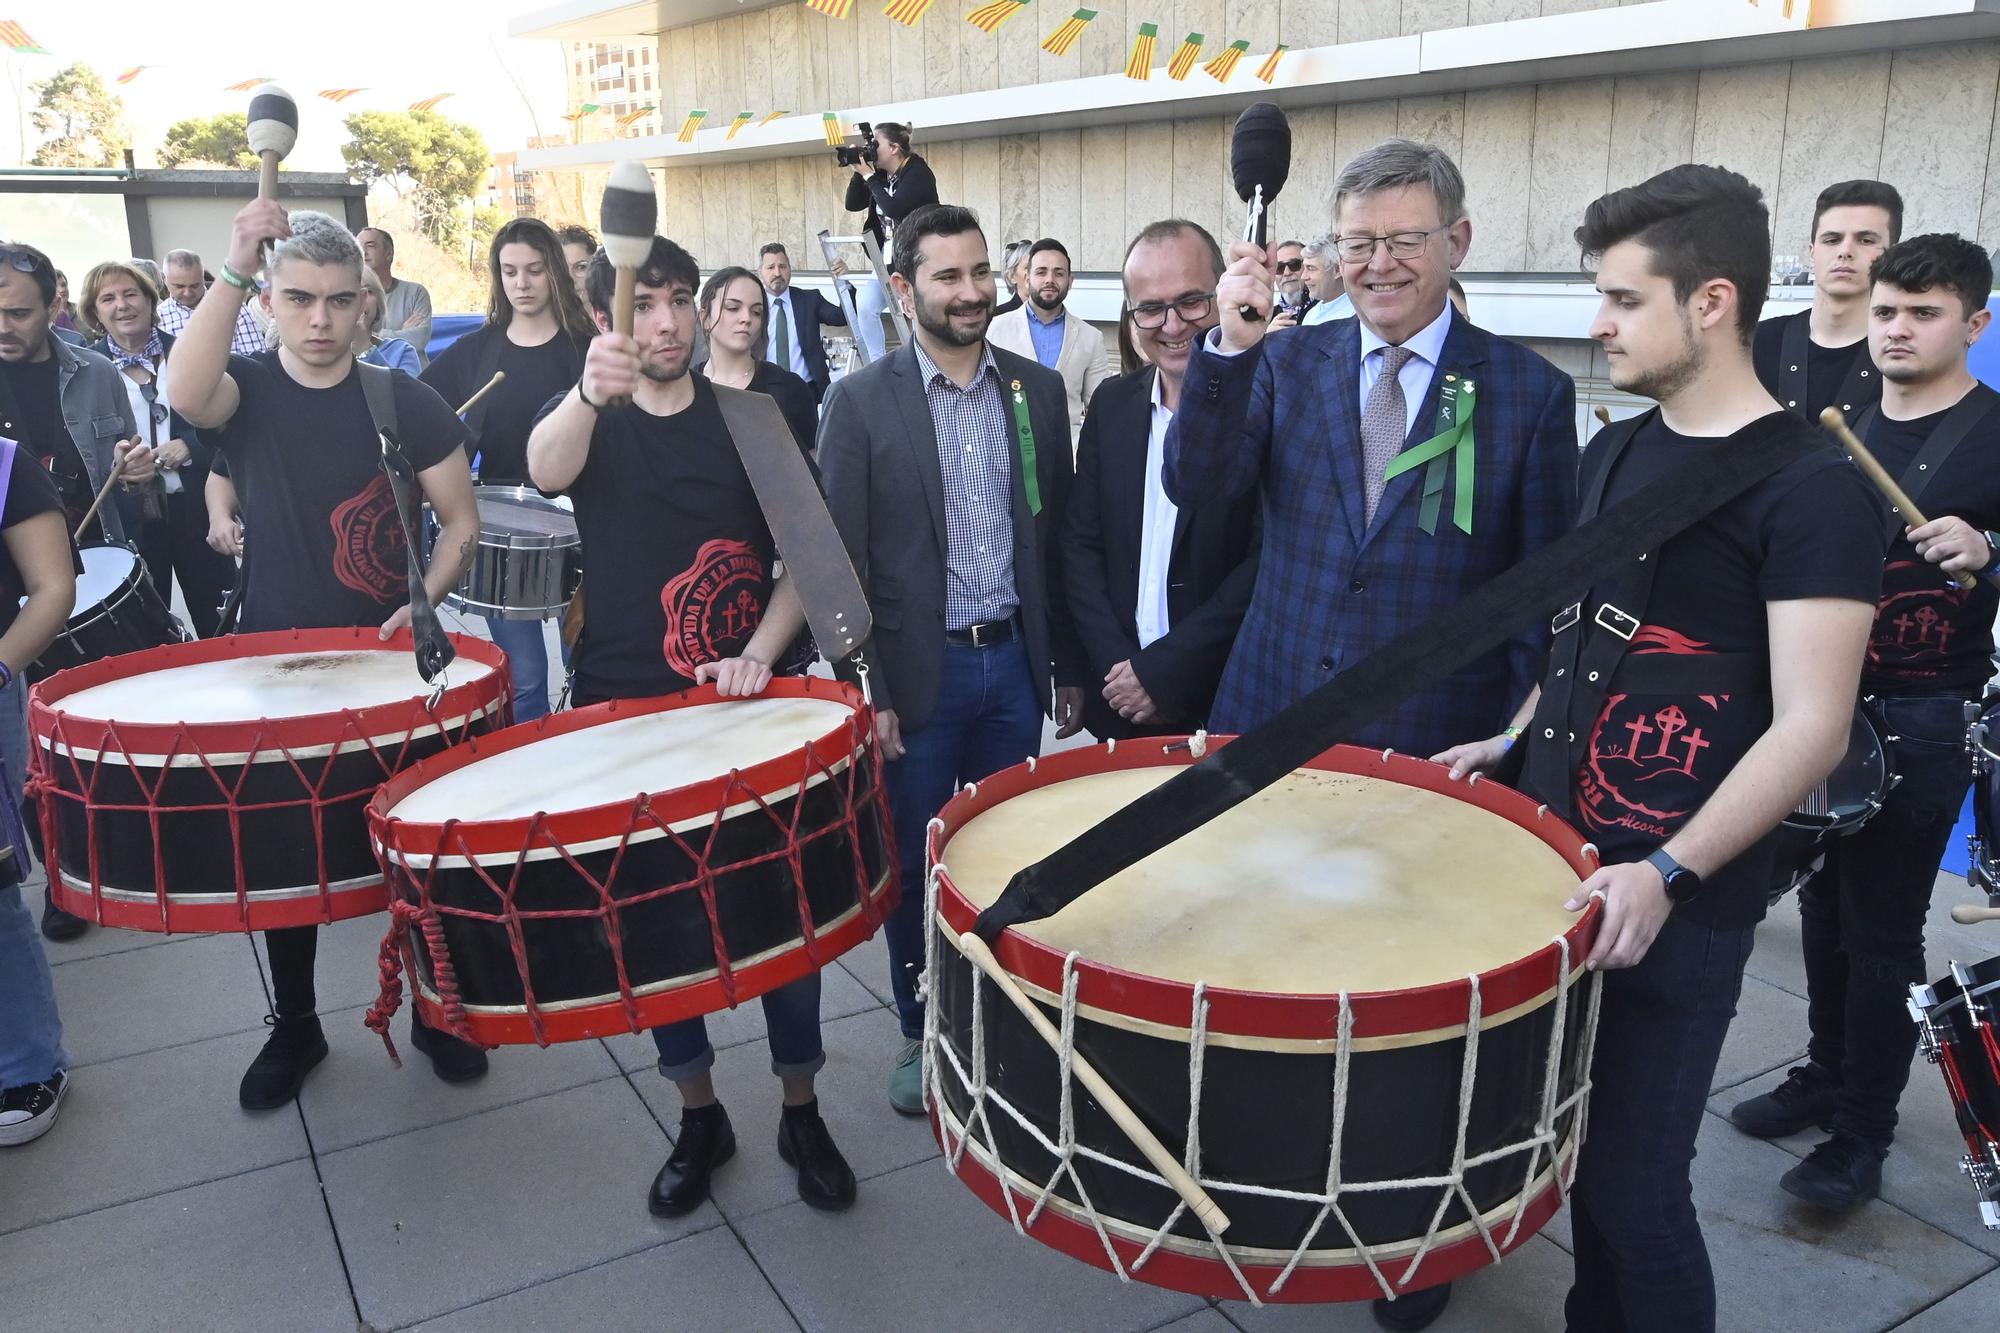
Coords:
pixel 50 723
pixel 1419 1011
pixel 610 821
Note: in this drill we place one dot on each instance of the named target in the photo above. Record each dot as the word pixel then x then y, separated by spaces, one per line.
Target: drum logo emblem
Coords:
pixel 714 605
pixel 368 544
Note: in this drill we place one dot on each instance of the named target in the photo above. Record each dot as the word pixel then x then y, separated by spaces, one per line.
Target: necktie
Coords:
pixel 1384 424
pixel 781 339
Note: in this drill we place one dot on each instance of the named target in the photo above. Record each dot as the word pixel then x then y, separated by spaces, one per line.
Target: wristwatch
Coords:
pixel 1682 883
pixel 1993 547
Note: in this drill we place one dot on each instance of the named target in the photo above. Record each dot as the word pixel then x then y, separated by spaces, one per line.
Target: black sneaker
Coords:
pixel 452 1060
pixel 279 1071
pixel 1840 1174
pixel 706 1141
pixel 825 1180
pixel 1803 1101
pixel 1418 1309
pixel 29 1111
pixel 59 925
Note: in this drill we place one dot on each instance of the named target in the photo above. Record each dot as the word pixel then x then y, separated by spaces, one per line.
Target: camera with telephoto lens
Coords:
pixel 855 154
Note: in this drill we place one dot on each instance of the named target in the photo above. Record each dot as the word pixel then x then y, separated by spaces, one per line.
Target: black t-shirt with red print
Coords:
pixel 1652 760
pixel 1930 638
pixel 678 557
pixel 323 546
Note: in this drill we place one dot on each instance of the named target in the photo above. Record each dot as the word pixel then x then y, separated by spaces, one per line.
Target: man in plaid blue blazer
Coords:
pixel 1355 550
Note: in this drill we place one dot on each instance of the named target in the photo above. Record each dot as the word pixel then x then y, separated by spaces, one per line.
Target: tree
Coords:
pixel 220 141
pixel 84 120
pixel 442 161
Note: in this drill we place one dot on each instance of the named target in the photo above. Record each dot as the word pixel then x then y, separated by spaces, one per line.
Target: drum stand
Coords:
pixel 867 242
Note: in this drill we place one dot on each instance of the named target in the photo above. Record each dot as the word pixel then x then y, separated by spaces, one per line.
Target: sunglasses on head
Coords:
pixel 1291 265
pixel 21 261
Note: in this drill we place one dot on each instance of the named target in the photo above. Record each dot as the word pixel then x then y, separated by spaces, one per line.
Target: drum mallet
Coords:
pixel 1127 1120
pixel 1875 472
pixel 484 389
pixel 1602 413
pixel 626 220
pixel 1967 914
pixel 272 130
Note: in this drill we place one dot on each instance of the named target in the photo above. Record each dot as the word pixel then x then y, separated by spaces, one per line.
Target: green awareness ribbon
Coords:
pixel 1024 440
pixel 1456 400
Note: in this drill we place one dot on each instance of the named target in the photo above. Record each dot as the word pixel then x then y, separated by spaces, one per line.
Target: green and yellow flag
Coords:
pixel 688 126
pixel 1269 69
pixel 742 118
pixel 1224 65
pixel 15 38
pixel 830 123
pixel 1059 42
pixel 773 116
pixel 1139 65
pixel 1185 55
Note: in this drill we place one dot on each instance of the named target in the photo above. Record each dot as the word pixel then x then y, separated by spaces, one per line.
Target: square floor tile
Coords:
pixel 1769 1028
pixel 445 1217
pixel 839 995
pixel 125 1003
pixel 1973 1306
pixel 347 971
pixel 868 963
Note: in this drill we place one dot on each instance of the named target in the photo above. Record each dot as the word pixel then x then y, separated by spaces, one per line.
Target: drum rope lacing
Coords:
pixel 1065 1148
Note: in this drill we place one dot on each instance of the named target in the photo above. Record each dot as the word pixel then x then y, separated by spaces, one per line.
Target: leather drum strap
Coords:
pixel 433 645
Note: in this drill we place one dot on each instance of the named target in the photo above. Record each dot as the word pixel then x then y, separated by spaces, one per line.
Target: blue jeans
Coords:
pixel 870 304
pixel 791 1024
pixel 988 717
pixel 31 1049
pixel 527 661
pixel 1641 1265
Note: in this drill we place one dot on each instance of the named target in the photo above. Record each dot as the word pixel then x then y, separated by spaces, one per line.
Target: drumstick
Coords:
pixel 1875 472
pixel 117 470
pixel 1143 1139
pixel 272 130
pixel 626 220
pixel 1966 914
pixel 484 389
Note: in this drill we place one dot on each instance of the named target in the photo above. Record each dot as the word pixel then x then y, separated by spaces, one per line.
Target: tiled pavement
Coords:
pixel 387 1200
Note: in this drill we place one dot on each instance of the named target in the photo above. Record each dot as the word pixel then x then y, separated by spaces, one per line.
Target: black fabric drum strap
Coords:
pixel 1959 422
pixel 1795 349
pixel 815 557
pixel 1421 657
pixel 434 650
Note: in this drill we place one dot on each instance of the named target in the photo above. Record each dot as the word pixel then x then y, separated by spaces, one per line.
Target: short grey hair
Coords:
pixel 317 239
pixel 1320 247
pixel 182 259
pixel 1395 163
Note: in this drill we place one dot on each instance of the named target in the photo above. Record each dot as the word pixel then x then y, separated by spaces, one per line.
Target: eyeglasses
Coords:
pixel 1153 314
pixel 21 261
pixel 1290 265
pixel 1402 245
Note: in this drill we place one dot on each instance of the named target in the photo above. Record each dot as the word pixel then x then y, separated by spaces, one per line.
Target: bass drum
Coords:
pixel 117 611
pixel 1851 796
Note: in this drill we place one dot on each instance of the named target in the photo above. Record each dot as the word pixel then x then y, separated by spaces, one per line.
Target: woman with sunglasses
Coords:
pixel 165 514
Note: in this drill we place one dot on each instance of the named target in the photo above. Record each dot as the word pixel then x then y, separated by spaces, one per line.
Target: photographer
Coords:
pixel 889 183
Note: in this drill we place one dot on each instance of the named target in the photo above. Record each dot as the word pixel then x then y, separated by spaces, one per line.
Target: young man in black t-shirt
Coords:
pixel 326 548
pixel 688 598
pixel 1731 697
pixel 1818 358
pixel 1929 654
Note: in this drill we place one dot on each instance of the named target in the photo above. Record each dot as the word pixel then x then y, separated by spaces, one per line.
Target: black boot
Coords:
pixel 706 1141
pixel 1803 1101
pixel 279 1071
pixel 1840 1174
pixel 825 1180
pixel 59 925
pixel 452 1060
pixel 1418 1309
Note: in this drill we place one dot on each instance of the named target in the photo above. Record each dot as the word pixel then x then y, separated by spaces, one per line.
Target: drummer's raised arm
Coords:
pixel 559 445
pixel 200 388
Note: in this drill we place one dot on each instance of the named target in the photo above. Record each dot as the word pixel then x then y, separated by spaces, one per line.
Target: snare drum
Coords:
pixel 1851 796
pixel 529 559
pixel 117 611
pixel 617 867
pixel 1982 870
pixel 1958 1022
pixel 222 785
pixel 1353 1002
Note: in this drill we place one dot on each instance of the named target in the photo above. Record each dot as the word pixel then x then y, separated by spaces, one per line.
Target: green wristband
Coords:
pixel 237 280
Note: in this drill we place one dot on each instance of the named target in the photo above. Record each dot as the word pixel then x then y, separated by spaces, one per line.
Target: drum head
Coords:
pixel 273 686
pixel 106 570
pixel 517 516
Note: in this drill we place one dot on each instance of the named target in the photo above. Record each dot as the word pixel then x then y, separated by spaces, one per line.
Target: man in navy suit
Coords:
pixel 791 327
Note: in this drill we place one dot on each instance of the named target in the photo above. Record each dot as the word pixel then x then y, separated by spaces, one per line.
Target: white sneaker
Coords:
pixel 29 1111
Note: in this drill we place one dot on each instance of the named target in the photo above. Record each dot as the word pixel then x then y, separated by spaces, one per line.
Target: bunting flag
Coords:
pixel 688 126
pixel 907 12
pixel 833 9
pixel 773 116
pixel 131 74
pixel 246 85
pixel 580 113
pixel 1139 65
pixel 1188 52
pixel 16 39
pixel 1224 65
pixel 735 126
pixel 339 94
pixel 1059 42
pixel 830 123
pixel 637 114
pixel 1269 69
pixel 988 18
pixel 430 103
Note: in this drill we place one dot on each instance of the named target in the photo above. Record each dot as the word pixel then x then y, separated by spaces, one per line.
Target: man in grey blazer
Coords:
pixel 946 466
pixel 1043 329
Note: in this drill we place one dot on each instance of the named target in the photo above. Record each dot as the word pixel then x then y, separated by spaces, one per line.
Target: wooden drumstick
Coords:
pixel 626 221
pixel 1966 914
pixel 1913 517
pixel 272 130
pixel 1127 1120
pixel 117 471
pixel 484 389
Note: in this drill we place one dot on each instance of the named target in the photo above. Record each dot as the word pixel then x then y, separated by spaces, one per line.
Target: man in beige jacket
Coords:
pixel 1045 330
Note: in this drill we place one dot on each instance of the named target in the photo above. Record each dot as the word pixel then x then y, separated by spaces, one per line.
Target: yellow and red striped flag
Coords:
pixel 15 38
pixel 1224 65
pixel 773 116
pixel 833 9
pixel 830 123
pixel 1269 69
pixel 907 12
pixel 1139 65
pixel 1185 55
pixel 735 126
pixel 688 126
pixel 246 85
pixel 1059 42
pixel 988 18
pixel 635 114
pixel 131 74
pixel 430 103
pixel 339 94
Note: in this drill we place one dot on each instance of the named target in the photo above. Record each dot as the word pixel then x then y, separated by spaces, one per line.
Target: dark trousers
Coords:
pixel 175 545
pixel 1862 918
pixel 1641 1266
pixel 988 717
pixel 291 952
